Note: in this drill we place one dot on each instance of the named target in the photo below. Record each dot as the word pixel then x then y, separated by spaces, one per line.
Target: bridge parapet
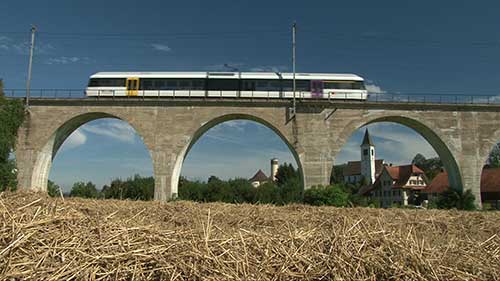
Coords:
pixel 383 98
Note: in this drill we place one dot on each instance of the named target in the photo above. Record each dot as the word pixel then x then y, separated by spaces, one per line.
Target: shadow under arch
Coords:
pixel 221 119
pixel 444 153
pixel 47 154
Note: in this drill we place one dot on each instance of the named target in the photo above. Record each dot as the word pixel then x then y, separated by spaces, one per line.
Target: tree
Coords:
pixel 330 195
pixel 431 166
pixel 268 193
pixel 494 157
pixel 8 175
pixel 290 184
pixel 11 118
pixel 53 189
pixel 85 190
pixel 195 191
pixel 456 199
pixel 337 174
pixel 135 188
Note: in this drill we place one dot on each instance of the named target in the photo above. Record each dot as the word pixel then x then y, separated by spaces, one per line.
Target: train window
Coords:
pixel 349 85
pixel 184 85
pixel 107 82
pixel 300 85
pixel 248 85
pixel 169 84
pixel 198 84
pixel 222 85
pixel 262 85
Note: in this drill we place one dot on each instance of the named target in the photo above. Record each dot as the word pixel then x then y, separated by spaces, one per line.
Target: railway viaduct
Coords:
pixel 462 135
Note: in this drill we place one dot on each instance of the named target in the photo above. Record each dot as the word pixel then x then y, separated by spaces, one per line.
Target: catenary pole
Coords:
pixel 28 82
pixel 294 28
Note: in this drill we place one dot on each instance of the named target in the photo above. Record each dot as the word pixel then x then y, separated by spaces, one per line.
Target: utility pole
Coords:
pixel 28 83
pixel 294 28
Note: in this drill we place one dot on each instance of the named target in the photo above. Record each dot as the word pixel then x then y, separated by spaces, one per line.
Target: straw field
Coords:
pixel 43 238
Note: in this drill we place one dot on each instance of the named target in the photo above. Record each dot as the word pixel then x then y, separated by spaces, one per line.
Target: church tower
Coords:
pixel 368 158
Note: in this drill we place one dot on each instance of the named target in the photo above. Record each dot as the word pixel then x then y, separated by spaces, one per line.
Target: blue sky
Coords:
pixel 398 46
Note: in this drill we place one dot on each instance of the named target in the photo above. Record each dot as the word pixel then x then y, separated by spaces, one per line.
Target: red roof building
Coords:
pixel 490 186
pixel 397 185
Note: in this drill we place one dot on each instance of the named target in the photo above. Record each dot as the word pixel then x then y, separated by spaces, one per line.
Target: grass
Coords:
pixel 52 239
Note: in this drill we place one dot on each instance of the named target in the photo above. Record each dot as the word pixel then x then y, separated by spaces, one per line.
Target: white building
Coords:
pixel 260 177
pixel 398 185
pixel 369 167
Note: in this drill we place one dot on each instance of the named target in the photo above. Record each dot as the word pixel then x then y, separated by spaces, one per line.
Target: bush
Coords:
pixel 456 199
pixel 135 188
pixel 268 193
pixel 11 118
pixel 53 189
pixel 84 190
pixel 331 195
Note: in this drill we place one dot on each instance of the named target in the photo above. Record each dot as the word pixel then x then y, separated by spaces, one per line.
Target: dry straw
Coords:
pixel 50 239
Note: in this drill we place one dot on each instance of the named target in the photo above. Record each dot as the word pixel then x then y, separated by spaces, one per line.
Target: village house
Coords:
pixel 397 185
pixel 260 177
pixel 490 186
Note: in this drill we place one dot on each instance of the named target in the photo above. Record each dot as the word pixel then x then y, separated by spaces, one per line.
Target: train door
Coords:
pixel 316 89
pixel 132 87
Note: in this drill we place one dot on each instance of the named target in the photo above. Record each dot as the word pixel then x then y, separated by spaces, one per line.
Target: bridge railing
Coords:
pixel 258 96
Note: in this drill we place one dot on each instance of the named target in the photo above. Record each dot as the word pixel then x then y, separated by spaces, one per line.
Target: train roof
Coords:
pixel 230 75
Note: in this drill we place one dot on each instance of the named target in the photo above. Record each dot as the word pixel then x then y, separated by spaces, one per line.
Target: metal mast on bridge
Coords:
pixel 294 28
pixel 28 82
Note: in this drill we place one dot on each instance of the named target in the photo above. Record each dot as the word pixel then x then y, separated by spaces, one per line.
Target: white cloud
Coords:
pixel 161 47
pixel 76 139
pixel 67 60
pixel 5 39
pixel 374 89
pixel 112 128
pixel 23 48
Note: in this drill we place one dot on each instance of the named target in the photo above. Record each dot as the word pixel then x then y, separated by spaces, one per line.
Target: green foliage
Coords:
pixel 53 189
pixel 331 195
pixel 194 191
pixel 290 184
pixel 8 176
pixel 268 193
pixel 455 199
pixel 85 190
pixel 431 167
pixel 135 188
pixel 494 157
pixel 243 190
pixel 337 174
pixel 287 189
pixel 11 118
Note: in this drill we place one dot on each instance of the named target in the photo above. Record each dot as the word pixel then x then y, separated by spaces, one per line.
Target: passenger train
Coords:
pixel 273 85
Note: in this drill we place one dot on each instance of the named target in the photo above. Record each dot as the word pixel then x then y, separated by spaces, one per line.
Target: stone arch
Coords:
pixel 487 146
pixel 48 151
pixel 436 141
pixel 200 131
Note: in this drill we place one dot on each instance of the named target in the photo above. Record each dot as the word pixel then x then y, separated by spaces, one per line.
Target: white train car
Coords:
pixel 269 85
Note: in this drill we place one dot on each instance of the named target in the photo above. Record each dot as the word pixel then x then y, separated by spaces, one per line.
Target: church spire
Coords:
pixel 367 140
